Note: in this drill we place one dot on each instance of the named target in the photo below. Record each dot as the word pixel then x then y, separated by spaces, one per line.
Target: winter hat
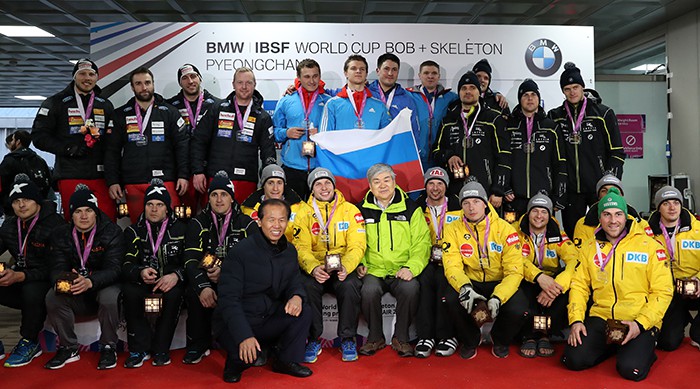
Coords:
pixel 541 200
pixel 483 66
pixel 187 69
pixel 609 179
pixel 82 197
pixel 84 63
pixel 157 191
pixel 613 199
pixel 528 85
pixel 271 171
pixel 663 194
pixel 317 174
pixel 24 188
pixel 222 182
pixel 436 173
pixel 571 75
pixel 473 189
pixel 469 78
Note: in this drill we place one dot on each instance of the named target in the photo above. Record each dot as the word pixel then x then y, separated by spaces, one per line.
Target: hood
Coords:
pixel 539 115
pixel 257 98
pixel 686 220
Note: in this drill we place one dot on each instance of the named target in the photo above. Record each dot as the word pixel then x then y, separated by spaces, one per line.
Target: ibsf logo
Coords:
pixel 543 57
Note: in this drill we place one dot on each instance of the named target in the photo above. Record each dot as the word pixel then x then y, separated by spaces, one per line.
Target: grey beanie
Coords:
pixel 541 200
pixel 317 174
pixel 667 193
pixel 436 173
pixel 271 171
pixel 473 189
pixel 609 179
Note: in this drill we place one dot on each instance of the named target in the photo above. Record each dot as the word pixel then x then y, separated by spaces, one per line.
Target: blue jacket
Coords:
pixel 428 135
pixel 339 114
pixel 290 113
pixel 402 99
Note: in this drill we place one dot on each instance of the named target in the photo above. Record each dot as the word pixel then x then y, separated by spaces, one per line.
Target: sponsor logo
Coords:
pixel 466 250
pixel 451 218
pixel 227 115
pixel 526 250
pixel 543 57
pixel 343 226
pixel 493 246
pixel 599 260
pixel 315 228
pixel 359 218
pixel 550 254
pixel 636 257
pixel 690 244
pixel 661 255
pixel 512 239
pixel 648 231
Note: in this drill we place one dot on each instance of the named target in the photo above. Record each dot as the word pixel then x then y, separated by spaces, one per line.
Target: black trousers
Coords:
pixel 284 334
pixel 141 337
pixel 507 325
pixel 633 359
pixel 676 318
pixel 406 294
pixel 296 179
pixel 576 209
pixel 198 321
pixel 432 318
pixel 347 293
pixel 29 298
pixel 557 311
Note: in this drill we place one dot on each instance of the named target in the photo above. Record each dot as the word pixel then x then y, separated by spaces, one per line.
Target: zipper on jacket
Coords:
pixel 478 250
pixel 527 172
pixel 391 235
pixel 576 161
pixel 328 242
pixel 612 308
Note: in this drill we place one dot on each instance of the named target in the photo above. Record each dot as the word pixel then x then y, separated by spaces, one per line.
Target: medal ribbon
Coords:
pixel 145 119
pixel 431 113
pixel 611 253
pixel 539 253
pixel 319 216
pixel 194 118
pixel 85 113
pixel 439 223
pixel 529 124
pixel 23 243
pixel 155 245
pixel 242 120
pixel 88 246
pixel 307 110
pixel 483 251
pixel 670 241
pixel 464 116
pixel 577 125
pixel 221 232
pixel 359 112
pixel 387 102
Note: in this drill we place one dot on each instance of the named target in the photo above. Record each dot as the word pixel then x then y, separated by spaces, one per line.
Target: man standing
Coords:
pixel 636 300
pixel 231 135
pixel 325 228
pixel 493 100
pixel 538 161
pixel 22 159
pixel 149 141
pixel 432 100
pixel 354 107
pixel 474 137
pixel 262 299
pixel 73 125
pixel 679 232
pixel 296 117
pixel 483 262
pixel 27 235
pixel 193 102
pixel 398 246
pixel 593 144
pixel 91 247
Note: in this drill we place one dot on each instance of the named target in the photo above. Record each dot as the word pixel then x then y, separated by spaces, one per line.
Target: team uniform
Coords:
pixel 350 110
pixel 431 110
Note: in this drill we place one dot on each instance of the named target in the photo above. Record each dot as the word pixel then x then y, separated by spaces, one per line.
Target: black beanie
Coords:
pixel 469 78
pixel 187 69
pixel 528 86
pixel 483 66
pixel 571 75
pixel 83 197
pixel 222 182
pixel 157 191
pixel 24 188
pixel 84 63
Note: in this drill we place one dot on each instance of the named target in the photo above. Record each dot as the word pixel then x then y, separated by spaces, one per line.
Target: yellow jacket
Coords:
pixel 252 203
pixel 558 247
pixel 454 214
pixel 461 262
pixel 346 231
pixel 636 284
pixel 585 226
pixel 686 261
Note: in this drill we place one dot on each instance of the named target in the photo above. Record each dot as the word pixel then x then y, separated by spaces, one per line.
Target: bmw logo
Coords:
pixel 543 57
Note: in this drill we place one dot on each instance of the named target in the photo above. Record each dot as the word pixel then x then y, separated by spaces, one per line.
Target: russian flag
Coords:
pixel 349 153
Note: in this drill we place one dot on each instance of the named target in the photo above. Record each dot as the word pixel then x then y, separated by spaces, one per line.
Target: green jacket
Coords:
pixel 396 237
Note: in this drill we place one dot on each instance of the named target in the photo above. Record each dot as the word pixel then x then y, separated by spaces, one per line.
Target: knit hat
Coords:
pixel 613 199
pixel 317 174
pixel 24 188
pixel 157 191
pixel 469 78
pixel 571 75
pixel 665 193
pixel 436 173
pixel 528 85
pixel 483 66
pixel 83 197
pixel 221 182
pixel 84 63
pixel 609 179
pixel 187 69
pixel 541 200
pixel 271 171
pixel 473 189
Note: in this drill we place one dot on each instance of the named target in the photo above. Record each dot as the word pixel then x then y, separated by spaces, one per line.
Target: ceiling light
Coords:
pixel 24 31
pixel 73 61
pixel 646 67
pixel 31 97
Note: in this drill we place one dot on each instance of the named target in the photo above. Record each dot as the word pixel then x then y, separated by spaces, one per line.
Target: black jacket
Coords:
pixel 488 160
pixel 56 130
pixel 38 247
pixel 165 154
pixel 169 257
pixel 104 263
pixel 219 143
pixel 12 165
pixel 600 149
pixel 257 279
pixel 178 101
pixel 545 167
pixel 202 237
pixel 490 100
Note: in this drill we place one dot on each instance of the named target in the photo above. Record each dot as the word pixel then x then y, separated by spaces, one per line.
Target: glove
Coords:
pixel 467 297
pixel 494 305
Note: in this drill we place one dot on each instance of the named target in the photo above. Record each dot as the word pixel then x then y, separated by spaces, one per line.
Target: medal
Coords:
pixel 359 124
pixel 22 243
pixel 575 139
pixel 358 110
pixel 221 233
pixel 575 136
pixel 141 140
pixel 436 253
pixel 324 237
pixel 602 276
pixel 85 254
pixel 155 244
pixel 83 272
pixel 468 143
pixel 529 148
pixel 220 251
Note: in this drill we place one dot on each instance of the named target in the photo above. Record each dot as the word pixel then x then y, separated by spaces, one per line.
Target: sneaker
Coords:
pixel 136 359
pixel 423 348
pixel 108 358
pixel 402 348
pixel 23 353
pixel 2 350
pixel 192 357
pixel 467 352
pixel 371 348
pixel 161 359
pixel 500 351
pixel 313 350
pixel 695 344
pixel 63 355
pixel 446 347
pixel 349 350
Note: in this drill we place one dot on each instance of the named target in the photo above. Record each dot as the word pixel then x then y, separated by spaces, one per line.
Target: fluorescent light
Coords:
pixel 73 61
pixel 24 31
pixel 646 67
pixel 31 97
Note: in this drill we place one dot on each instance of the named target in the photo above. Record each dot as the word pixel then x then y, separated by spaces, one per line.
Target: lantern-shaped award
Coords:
pixel 308 149
pixel 509 216
pixel 481 314
pixel 152 304
pixel 183 212
pixel 209 261
pixel 332 262
pixel 64 282
pixel 2 266
pixel 686 287
pixel 616 331
pixel 436 253
pixel 122 210
pixel 541 323
pixel 458 172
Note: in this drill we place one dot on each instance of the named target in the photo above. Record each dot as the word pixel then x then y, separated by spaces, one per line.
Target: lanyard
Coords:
pixel 439 223
pixel 387 102
pixel 577 125
pixel 358 112
pixel 156 244
pixel 221 232
pixel 539 245
pixel 195 117
pixel 88 246
pixel 483 250
pixel 85 113
pixel 468 129
pixel 611 253
pixel 23 243
pixel 307 109
pixel 145 119
pixel 529 123
pixel 670 241
pixel 242 119
pixel 319 216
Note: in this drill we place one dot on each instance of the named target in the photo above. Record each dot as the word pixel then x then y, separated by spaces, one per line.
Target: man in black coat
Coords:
pixel 261 298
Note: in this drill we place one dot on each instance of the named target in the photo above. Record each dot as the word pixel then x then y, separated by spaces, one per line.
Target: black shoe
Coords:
pixel 467 352
pixel 500 351
pixel 291 368
pixel 161 359
pixel 261 360
pixel 108 358
pixel 233 371
pixel 63 356
pixel 193 357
